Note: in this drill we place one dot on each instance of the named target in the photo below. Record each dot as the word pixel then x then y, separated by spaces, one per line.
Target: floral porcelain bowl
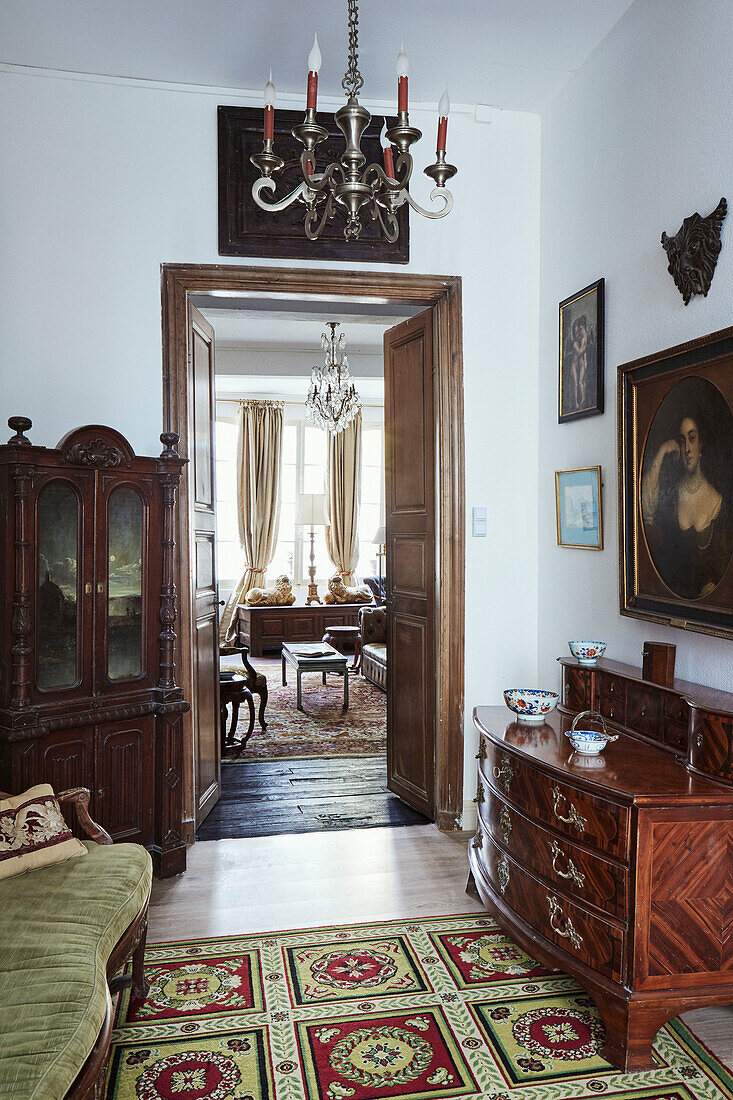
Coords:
pixel 531 704
pixel 587 653
pixel 586 741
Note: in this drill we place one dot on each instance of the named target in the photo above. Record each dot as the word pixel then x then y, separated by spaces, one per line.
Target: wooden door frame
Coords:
pixel 440 293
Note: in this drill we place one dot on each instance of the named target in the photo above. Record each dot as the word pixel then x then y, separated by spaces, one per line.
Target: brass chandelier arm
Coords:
pixel 314 226
pixel 266 183
pixel 436 193
pixel 388 221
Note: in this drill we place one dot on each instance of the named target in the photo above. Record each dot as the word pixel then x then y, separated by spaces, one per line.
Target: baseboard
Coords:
pixel 470 817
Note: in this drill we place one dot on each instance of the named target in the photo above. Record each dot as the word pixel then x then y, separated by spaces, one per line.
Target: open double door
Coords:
pixel 410 433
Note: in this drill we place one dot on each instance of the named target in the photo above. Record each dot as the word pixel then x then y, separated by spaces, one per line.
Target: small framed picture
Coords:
pixel 581 354
pixel 579 508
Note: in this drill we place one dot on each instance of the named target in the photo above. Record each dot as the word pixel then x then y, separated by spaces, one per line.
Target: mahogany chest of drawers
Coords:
pixel 616 869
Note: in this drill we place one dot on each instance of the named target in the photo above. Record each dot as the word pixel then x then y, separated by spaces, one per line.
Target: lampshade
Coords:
pixel 380 536
pixel 312 510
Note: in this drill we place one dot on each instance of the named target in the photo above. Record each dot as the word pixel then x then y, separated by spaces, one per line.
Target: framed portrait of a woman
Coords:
pixel 676 485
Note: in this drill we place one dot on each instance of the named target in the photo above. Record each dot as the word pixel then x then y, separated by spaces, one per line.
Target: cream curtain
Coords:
pixel 343 491
pixel 259 461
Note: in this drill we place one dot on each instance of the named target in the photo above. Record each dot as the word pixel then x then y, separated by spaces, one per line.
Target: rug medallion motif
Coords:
pixel 427 1009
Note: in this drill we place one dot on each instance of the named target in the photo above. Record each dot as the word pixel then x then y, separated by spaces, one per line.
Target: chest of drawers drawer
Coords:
pixel 585 936
pixel 612 697
pixel 579 815
pixel 574 872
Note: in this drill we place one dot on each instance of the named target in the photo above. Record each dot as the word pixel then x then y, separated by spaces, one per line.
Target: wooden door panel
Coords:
pixel 410 522
pixel 126 767
pixel 205 617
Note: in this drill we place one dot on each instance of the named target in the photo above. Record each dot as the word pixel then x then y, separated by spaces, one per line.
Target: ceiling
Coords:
pixel 512 54
pixel 289 330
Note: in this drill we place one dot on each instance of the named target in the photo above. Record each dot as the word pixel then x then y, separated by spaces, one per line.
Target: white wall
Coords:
pixel 288 362
pixel 104 180
pixel 640 138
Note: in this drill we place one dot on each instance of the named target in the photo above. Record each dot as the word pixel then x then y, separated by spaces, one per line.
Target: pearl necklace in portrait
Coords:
pixel 691 486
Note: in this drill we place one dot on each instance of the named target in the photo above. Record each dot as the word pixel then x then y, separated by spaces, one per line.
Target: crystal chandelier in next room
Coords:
pixel 332 401
pixel 349 188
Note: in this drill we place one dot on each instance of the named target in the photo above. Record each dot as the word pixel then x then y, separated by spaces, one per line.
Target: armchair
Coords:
pixel 373 627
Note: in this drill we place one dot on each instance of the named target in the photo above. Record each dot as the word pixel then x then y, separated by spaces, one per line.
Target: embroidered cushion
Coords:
pixel 33 832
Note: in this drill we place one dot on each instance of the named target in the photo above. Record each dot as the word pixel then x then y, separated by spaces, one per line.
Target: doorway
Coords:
pixel 427 774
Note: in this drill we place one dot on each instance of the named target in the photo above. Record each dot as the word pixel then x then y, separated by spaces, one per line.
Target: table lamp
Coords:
pixel 379 539
pixel 311 512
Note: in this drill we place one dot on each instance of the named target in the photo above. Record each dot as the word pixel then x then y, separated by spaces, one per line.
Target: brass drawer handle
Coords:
pixel 568 932
pixel 573 817
pixel 502 870
pixel 505 772
pixel 478 839
pixel 505 822
pixel 481 754
pixel 572 872
pixel 699 740
pixel 479 793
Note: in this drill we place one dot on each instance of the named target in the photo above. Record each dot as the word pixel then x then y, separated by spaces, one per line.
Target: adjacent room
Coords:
pixel 366 572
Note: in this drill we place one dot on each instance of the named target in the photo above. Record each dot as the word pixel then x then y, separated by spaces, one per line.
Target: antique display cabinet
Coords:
pixel 88 695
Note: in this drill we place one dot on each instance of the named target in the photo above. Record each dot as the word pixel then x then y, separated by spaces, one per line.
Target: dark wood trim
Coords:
pixel 443 295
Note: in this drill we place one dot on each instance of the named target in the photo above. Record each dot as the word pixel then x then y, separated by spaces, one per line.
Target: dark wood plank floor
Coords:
pixel 272 797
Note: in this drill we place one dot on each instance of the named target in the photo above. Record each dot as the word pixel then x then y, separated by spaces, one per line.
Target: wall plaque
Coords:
pixel 246 230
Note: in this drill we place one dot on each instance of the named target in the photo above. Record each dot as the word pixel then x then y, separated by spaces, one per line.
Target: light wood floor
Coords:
pixel 262 884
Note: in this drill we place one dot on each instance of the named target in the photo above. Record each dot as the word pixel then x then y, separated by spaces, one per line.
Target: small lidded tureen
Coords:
pixel 587 741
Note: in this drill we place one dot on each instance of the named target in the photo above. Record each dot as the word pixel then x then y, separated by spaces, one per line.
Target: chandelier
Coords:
pixel 332 401
pixel 346 187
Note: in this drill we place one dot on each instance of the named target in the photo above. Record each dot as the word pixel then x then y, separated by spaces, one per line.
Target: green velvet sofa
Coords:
pixel 65 932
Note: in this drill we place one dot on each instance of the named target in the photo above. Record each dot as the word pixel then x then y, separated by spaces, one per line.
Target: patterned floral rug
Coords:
pixel 409 1010
pixel 322 728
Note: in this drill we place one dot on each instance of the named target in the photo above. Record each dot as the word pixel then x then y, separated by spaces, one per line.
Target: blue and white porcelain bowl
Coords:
pixel 587 653
pixel 531 705
pixel 586 741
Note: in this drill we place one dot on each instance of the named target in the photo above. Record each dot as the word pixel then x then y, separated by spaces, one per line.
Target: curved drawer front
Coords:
pixel 572 871
pixel 578 815
pixel 585 936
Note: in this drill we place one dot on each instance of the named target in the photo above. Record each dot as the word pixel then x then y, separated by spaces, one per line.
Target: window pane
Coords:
pixel 229 561
pixel 313 479
pixel 290 443
pixel 288 484
pixel 314 446
pixel 282 562
pixel 227 526
pixel 287 522
pixel 369 521
pixel 371 446
pixel 227 434
pixel 371 485
pixel 226 481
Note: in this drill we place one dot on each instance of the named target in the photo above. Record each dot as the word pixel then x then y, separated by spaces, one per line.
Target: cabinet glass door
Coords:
pixel 124 584
pixel 59 598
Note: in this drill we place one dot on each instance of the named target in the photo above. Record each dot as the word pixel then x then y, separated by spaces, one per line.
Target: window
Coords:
pixel 371 516
pixel 303 471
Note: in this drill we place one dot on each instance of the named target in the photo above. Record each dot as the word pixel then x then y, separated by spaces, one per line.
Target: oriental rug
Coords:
pixel 322 728
pixel 410 1010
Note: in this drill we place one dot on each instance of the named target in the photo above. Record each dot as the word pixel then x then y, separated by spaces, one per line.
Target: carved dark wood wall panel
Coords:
pixel 246 230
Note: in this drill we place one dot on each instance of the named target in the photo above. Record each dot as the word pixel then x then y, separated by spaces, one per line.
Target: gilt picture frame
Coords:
pixel 675 422
pixel 581 375
pixel 579 508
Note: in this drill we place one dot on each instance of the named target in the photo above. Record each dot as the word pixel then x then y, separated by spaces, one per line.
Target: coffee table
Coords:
pixel 296 654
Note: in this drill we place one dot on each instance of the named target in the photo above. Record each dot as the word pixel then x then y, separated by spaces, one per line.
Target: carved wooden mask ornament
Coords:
pixel 693 251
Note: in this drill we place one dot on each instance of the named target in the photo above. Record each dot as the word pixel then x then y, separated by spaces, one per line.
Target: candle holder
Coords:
pixel 349 187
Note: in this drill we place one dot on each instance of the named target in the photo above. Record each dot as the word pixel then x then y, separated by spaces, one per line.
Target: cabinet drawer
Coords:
pixel 571 870
pixel 576 814
pixel 644 711
pixel 576 692
pixel 675 721
pixel 612 697
pixel 711 745
pixel 583 935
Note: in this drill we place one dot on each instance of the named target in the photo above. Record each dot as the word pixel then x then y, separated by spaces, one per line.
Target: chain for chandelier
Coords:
pixel 349 188
pixel 332 401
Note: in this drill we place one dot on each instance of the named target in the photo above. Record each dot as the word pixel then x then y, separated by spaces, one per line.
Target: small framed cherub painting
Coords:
pixel 578 508
pixel 581 376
